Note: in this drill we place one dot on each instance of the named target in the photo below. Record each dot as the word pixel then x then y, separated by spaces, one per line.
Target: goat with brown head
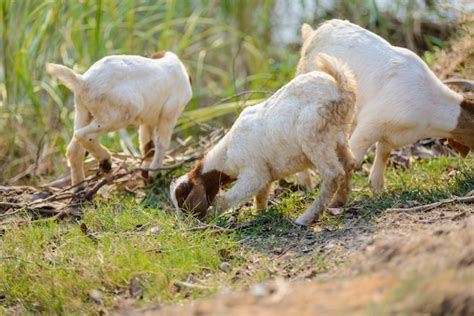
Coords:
pixel 463 134
pixel 195 191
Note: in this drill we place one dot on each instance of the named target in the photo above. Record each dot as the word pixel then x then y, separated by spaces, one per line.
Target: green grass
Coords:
pixel 428 180
pixel 53 266
pixel 50 267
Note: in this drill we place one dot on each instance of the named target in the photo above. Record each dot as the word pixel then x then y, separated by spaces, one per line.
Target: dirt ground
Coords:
pixel 412 262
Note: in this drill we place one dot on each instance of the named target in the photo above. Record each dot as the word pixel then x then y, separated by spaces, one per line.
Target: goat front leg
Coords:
pixel 376 177
pixel 261 199
pixel 303 178
pixel 248 184
pixel 75 152
pixel 87 137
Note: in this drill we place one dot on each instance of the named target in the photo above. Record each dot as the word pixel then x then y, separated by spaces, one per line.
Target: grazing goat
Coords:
pixel 121 90
pixel 399 100
pixel 296 128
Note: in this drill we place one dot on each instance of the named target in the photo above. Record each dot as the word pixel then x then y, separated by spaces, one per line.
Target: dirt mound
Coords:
pixel 415 263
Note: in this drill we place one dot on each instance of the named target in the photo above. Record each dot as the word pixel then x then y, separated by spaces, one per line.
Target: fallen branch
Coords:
pixel 428 207
pixel 88 195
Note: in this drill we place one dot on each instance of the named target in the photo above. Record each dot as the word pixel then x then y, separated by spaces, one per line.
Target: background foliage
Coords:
pixel 227 45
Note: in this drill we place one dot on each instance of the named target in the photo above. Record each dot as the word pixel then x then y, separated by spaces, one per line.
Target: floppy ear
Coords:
pixel 306 30
pixel 196 202
pixel 460 148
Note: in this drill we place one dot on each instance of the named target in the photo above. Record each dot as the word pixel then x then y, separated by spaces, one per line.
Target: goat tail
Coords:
pixel 343 75
pixel 67 76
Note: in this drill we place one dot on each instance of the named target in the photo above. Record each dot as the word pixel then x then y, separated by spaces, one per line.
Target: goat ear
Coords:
pixel 306 30
pixel 460 148
pixel 196 202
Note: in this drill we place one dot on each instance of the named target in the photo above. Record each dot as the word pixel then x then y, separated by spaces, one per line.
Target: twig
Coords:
pixel 230 228
pixel 10 213
pixel 8 205
pixel 208 226
pixel 38 153
pixel 170 167
pixel 187 285
pixel 427 207
pixel 244 92
pixel 243 225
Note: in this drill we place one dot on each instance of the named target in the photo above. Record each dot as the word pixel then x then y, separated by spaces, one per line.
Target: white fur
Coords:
pixel 294 129
pixel 121 90
pixel 173 185
pixel 400 100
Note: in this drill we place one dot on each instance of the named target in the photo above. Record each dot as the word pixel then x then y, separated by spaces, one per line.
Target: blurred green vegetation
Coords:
pixel 226 45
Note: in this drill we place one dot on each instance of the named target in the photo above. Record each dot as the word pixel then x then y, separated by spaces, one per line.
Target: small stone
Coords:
pixel 259 290
pixel 335 210
pixel 155 230
pixel 225 267
pixel 278 250
pixel 96 296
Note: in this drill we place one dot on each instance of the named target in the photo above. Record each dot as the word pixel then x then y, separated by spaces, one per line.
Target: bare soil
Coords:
pixel 415 263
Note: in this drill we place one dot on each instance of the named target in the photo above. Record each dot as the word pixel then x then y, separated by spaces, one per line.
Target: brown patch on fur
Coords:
pixel 105 166
pixel 149 150
pixel 458 147
pixel 189 194
pixel 463 134
pixel 158 55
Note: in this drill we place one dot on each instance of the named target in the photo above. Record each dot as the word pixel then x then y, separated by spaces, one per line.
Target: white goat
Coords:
pixel 399 100
pixel 296 128
pixel 121 90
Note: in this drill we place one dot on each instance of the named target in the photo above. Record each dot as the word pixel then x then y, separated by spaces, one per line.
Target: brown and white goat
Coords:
pixel 296 128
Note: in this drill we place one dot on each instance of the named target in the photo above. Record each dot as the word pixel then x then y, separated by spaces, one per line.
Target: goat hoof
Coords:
pixel 105 165
pixel 337 204
pixel 303 222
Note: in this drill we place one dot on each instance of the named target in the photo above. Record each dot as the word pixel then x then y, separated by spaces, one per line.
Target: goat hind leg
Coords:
pixel 147 147
pixel 331 171
pixel 346 158
pixel 87 137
